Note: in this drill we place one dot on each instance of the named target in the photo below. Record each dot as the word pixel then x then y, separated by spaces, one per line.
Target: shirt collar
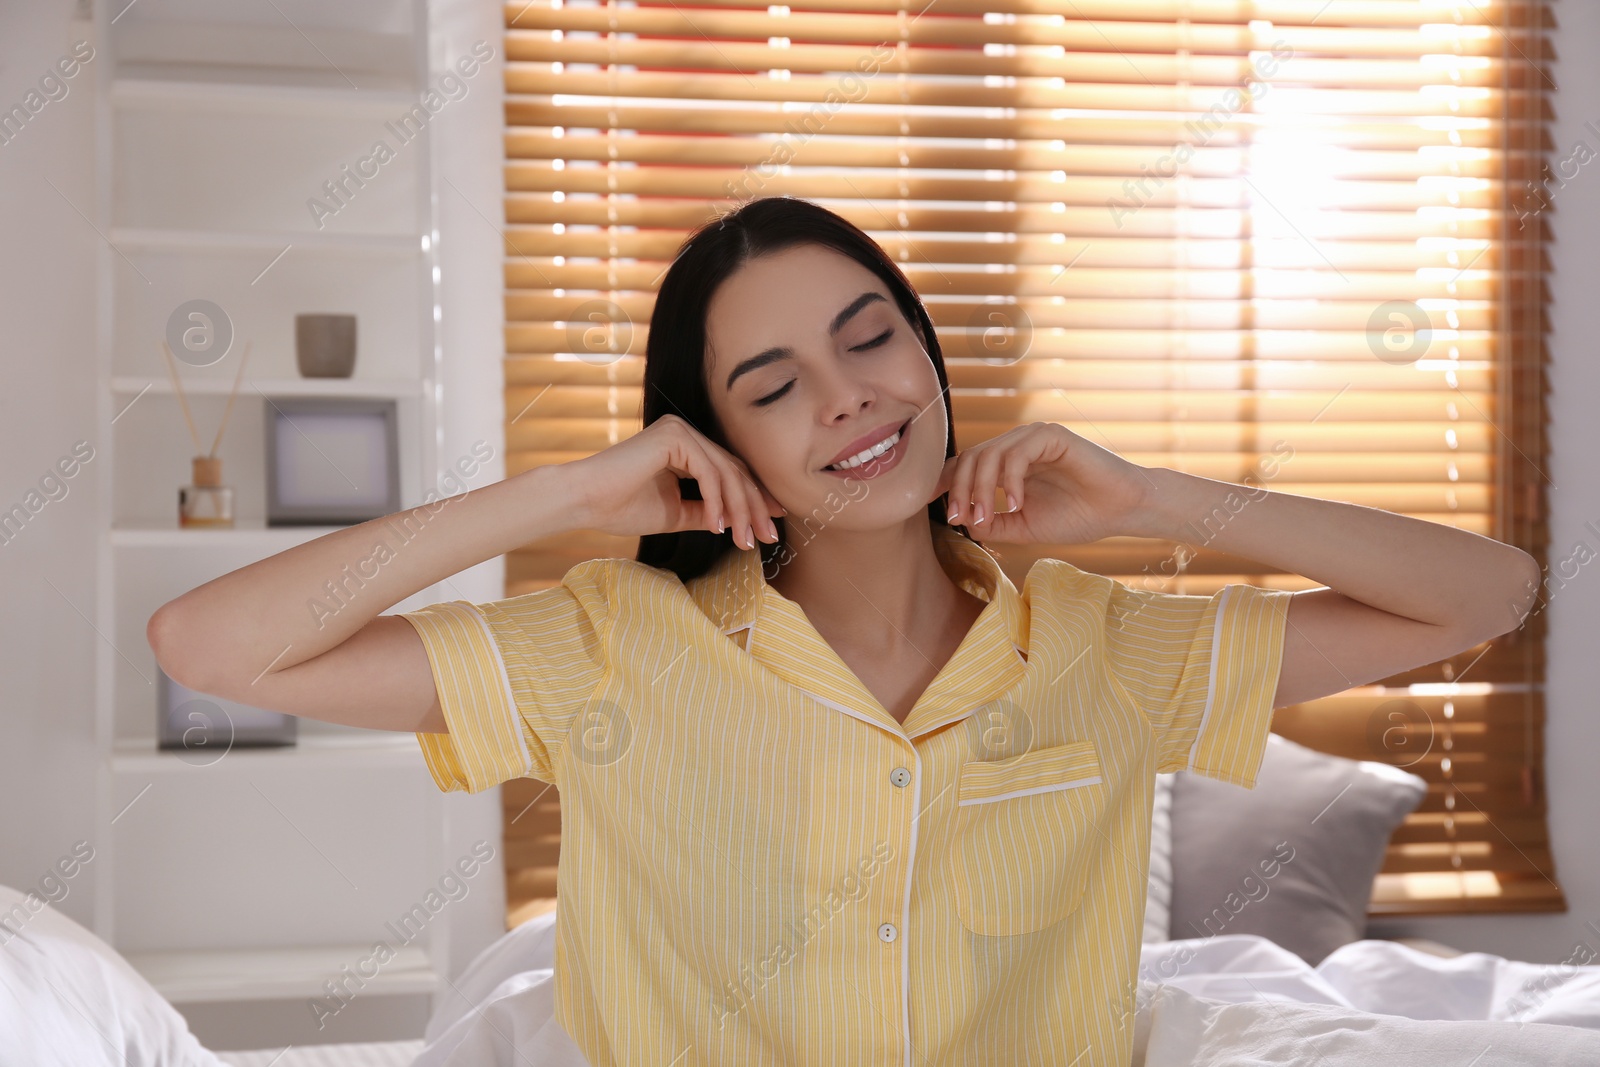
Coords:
pixel 734 595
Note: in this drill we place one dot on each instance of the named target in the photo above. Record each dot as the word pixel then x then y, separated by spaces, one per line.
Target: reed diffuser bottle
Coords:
pixel 207 502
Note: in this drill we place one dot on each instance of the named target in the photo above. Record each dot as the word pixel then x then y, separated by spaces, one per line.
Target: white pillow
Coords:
pixel 504 1013
pixel 1158 895
pixel 68 998
pixel 529 946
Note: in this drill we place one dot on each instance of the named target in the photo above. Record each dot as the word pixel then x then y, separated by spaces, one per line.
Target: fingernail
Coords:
pixel 722 526
pixel 952 513
pixel 1012 501
pixel 978 511
pixel 772 529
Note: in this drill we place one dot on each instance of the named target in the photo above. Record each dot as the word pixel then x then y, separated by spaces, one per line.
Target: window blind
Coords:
pixel 1279 243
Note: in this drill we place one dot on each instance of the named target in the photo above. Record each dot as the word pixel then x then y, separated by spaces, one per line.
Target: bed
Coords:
pixel 1270 885
pixel 366 1054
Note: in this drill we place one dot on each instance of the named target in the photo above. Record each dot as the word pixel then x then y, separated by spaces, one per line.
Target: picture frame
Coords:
pixel 203 727
pixel 331 461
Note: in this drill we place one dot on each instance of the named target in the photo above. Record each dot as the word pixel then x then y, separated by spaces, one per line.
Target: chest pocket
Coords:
pixel 1025 829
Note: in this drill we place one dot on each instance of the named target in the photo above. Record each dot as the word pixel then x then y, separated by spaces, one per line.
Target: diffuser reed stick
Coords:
pixel 237 378
pixel 183 401
pixel 207 502
pixel 177 385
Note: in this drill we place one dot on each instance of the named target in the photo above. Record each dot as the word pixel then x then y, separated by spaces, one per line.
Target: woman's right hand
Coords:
pixel 631 488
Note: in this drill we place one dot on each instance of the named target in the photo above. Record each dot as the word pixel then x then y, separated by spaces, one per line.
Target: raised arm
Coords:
pixel 272 635
pixel 1399 592
pixel 258 636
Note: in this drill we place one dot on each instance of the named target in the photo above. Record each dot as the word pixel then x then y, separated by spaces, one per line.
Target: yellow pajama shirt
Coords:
pixel 759 865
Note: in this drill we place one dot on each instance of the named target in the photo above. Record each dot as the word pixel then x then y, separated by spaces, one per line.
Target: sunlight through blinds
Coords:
pixel 1279 243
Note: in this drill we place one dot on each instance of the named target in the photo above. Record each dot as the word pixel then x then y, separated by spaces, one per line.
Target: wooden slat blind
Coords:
pixel 1275 242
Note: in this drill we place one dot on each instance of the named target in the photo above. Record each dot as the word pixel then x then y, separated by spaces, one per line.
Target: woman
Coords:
pixel 833 789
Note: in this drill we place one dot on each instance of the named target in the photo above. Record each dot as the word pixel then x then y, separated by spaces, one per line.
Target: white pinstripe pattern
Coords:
pixel 1211 682
pixel 724 872
pixel 1074 784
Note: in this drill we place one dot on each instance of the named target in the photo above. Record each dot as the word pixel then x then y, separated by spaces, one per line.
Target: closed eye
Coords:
pixel 876 342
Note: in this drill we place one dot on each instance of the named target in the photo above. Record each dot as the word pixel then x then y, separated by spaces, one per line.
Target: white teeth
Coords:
pixel 872 453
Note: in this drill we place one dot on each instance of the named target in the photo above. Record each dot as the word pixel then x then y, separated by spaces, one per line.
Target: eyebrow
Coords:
pixel 777 352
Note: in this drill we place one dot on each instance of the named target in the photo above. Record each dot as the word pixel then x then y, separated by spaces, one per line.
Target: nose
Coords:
pixel 846 393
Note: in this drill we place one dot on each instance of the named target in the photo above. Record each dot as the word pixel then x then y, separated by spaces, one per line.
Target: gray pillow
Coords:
pixel 1158 891
pixel 1292 859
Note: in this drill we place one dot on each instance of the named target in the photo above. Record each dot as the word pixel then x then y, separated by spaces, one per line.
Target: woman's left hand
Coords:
pixel 1061 488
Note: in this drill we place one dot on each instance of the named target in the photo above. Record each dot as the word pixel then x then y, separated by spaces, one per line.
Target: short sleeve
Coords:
pixel 1203 670
pixel 512 675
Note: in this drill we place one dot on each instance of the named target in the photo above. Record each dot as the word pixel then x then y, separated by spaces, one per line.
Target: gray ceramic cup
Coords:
pixel 325 345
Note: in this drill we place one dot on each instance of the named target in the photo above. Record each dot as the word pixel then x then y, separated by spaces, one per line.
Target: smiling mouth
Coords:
pixel 861 459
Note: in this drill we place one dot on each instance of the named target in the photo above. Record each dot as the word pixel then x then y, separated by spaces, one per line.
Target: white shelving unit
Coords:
pixel 214 977
pixel 248 241
pixel 387 387
pixel 260 875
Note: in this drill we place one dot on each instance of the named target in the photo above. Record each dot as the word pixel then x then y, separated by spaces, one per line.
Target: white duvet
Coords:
pixel 68 999
pixel 1240 1001
pixel 1226 1001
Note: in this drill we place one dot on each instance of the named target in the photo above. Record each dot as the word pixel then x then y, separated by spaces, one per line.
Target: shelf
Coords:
pixel 222 386
pixel 256 536
pixel 257 43
pixel 388 750
pixel 195 91
pixel 127 238
pixel 217 975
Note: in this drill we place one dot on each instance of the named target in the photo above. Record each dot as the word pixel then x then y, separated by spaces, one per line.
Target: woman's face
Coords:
pixel 819 357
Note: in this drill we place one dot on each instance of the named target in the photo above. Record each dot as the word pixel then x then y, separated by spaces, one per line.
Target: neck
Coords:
pixel 882 590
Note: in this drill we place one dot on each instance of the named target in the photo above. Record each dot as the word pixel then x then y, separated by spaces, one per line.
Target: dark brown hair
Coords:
pixel 674 369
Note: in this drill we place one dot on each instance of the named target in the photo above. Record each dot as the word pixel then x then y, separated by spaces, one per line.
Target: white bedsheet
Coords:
pixel 1241 1001
pixel 344 1054
pixel 1227 1001
pixel 1380 976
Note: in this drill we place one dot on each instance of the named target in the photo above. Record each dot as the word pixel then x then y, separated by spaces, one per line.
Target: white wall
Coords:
pixel 1572 737
pixel 48 249
pixel 47 402
pixel 469 150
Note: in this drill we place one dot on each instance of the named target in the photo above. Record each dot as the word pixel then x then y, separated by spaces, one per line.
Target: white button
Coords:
pixel 900 777
pixel 887 933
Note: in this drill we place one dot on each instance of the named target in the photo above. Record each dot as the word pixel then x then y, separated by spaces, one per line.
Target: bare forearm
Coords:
pixel 298 604
pixel 1410 567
